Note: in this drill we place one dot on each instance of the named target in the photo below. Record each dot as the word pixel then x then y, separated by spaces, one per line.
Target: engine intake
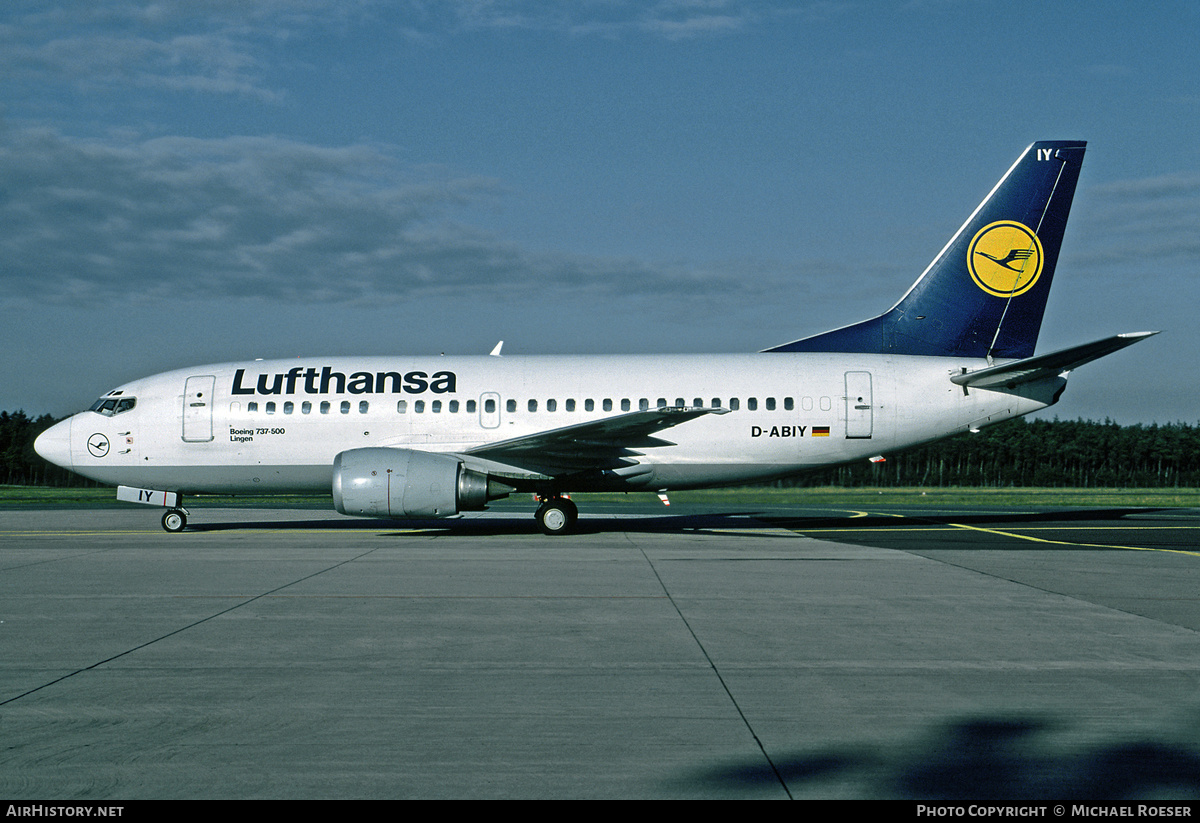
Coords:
pixel 383 482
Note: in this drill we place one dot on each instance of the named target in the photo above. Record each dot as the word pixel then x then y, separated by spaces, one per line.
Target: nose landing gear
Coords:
pixel 174 520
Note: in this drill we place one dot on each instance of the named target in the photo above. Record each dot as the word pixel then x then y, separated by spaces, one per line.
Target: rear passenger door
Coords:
pixel 860 412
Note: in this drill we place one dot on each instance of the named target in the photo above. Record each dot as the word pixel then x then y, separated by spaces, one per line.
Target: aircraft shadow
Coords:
pixel 514 524
pixel 981 760
pixel 681 523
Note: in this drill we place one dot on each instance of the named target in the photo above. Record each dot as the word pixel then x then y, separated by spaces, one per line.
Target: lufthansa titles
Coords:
pixel 327 381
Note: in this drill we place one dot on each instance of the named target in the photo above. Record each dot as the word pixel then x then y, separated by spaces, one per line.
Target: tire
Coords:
pixel 174 521
pixel 557 516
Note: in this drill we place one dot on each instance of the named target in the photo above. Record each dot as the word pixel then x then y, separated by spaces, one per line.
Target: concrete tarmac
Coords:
pixel 791 653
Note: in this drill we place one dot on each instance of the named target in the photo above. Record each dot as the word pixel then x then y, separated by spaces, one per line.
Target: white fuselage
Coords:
pixel 276 426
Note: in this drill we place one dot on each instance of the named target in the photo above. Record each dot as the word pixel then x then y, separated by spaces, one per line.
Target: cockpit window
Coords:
pixel 110 406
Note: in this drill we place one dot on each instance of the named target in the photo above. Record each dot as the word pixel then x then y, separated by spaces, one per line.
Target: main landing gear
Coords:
pixel 556 514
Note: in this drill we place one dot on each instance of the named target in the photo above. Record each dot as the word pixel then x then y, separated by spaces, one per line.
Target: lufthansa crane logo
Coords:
pixel 98 445
pixel 1005 258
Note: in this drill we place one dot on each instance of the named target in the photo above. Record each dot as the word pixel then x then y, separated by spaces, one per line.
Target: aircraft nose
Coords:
pixel 54 444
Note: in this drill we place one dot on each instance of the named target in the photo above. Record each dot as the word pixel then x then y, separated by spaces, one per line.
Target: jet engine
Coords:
pixel 383 482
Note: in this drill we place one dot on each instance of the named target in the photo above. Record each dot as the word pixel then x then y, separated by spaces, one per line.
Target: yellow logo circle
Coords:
pixel 1005 258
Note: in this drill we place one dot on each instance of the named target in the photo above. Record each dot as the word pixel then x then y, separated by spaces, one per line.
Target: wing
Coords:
pixel 600 444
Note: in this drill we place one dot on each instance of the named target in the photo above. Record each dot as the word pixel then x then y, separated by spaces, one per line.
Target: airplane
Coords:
pixel 432 437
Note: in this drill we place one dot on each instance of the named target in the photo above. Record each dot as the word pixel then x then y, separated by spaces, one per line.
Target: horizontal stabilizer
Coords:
pixel 1010 375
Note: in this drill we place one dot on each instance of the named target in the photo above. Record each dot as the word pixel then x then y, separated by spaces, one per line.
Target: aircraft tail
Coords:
pixel 985 293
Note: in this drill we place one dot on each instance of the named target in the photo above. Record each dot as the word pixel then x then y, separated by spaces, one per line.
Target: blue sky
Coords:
pixel 183 183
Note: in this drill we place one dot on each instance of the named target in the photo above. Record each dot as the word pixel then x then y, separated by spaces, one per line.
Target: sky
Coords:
pixel 185 183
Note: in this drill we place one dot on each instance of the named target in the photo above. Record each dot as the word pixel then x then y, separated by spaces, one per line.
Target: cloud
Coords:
pixel 158 46
pixel 1148 221
pixel 578 16
pixel 91 219
pixel 669 19
pixel 89 222
pixel 225 47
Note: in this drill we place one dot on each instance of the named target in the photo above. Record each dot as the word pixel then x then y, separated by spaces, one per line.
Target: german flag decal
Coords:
pixel 820 431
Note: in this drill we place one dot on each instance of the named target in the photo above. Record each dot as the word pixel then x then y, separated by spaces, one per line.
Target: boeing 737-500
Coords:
pixel 426 437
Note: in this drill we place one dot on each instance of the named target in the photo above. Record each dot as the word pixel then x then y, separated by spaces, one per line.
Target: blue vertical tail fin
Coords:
pixel 985 292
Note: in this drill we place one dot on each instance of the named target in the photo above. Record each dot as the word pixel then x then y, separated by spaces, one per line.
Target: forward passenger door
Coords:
pixel 198 409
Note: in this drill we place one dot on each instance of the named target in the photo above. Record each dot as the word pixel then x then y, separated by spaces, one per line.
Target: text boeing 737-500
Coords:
pixel 435 436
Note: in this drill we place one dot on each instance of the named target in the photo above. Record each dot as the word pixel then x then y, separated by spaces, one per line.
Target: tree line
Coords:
pixel 20 465
pixel 1043 453
pixel 1021 452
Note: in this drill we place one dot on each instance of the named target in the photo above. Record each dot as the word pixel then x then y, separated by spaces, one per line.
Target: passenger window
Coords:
pixel 643 404
pixel 401 407
pixel 419 406
pixel 471 406
pixel 716 403
pixel 752 404
pixel 345 407
pixel 570 405
pixel 362 406
pixel 324 407
pixel 511 405
pixel 788 403
pixel 770 404
pixel 589 405
pixel 252 406
pixel 607 404
pixel 454 407
pixel 826 404
pixel 624 404
pixel 271 407
pixel 436 407
pixel 551 405
pixel 734 404
pixel 288 407
pixel 489 406
pixel 305 407
pixel 533 405
pixel 662 403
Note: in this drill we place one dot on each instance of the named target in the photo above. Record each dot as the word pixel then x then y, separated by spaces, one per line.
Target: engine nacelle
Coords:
pixel 382 482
